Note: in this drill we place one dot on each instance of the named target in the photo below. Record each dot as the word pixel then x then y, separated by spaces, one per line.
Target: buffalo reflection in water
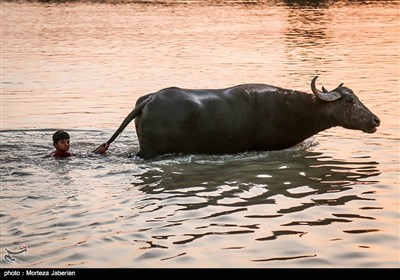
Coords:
pixel 276 173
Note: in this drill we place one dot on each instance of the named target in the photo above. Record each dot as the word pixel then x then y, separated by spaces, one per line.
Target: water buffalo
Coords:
pixel 248 117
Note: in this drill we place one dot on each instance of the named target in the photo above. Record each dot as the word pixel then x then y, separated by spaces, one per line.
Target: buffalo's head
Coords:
pixel 346 109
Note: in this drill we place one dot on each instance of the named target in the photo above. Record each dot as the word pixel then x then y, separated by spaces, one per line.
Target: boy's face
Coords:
pixel 62 145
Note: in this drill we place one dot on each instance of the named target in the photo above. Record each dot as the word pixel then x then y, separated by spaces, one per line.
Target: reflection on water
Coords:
pixel 330 202
pixel 273 173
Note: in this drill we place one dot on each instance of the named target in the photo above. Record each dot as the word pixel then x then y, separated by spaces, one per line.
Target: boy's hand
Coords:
pixel 102 148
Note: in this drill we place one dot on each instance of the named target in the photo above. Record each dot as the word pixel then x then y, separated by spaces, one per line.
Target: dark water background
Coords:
pixel 332 201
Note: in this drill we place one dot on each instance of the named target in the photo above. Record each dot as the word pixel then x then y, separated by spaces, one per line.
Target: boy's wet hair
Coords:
pixel 60 135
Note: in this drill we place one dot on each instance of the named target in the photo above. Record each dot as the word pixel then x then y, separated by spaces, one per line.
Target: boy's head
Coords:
pixel 61 140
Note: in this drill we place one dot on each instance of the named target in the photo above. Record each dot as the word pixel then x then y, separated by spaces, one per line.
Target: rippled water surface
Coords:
pixel 332 201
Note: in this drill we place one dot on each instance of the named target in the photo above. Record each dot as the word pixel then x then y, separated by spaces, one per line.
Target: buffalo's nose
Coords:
pixel 377 121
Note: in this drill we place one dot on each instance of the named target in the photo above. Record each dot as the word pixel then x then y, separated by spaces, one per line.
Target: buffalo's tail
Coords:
pixel 132 115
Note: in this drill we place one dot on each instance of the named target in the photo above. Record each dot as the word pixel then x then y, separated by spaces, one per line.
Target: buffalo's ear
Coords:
pixel 349 98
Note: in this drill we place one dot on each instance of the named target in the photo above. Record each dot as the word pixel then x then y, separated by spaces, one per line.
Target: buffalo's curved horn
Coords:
pixel 325 95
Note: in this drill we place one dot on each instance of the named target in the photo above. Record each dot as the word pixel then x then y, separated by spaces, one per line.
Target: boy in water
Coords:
pixel 61 143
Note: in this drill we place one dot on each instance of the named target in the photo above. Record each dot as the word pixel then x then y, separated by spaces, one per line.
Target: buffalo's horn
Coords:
pixel 325 95
pixel 338 86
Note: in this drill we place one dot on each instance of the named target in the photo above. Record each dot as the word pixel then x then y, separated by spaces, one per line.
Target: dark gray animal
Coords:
pixel 248 117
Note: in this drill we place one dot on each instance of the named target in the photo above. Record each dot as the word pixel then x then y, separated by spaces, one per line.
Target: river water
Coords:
pixel 332 201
